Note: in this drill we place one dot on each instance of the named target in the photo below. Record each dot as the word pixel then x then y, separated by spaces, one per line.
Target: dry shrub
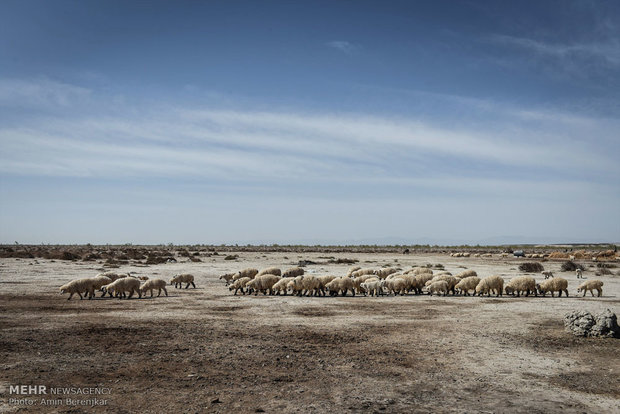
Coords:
pixel 531 267
pixel 603 272
pixel 571 266
pixel 231 257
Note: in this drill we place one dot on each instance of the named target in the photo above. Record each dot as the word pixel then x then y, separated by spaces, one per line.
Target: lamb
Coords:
pixel 591 285
pixel 263 283
pixel 489 284
pixel 227 277
pixel 579 273
pixel 373 287
pixel 239 284
pixel 520 284
pixel 383 273
pixel 149 285
pixel 358 282
pixel 466 284
pixel 293 272
pixel 546 274
pixel 78 286
pixel 552 285
pixel 249 272
pixel 438 287
pixel 341 285
pixel 307 283
pixel 125 284
pixel 270 271
pixel 281 285
pixel 178 280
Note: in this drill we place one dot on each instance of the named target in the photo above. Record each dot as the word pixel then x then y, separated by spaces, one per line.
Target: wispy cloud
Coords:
pixel 41 92
pixel 607 51
pixel 344 46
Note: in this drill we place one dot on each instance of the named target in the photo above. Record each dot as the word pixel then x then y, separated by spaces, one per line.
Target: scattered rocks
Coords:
pixel 583 323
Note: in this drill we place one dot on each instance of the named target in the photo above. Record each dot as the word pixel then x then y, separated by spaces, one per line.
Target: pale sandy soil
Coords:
pixel 205 350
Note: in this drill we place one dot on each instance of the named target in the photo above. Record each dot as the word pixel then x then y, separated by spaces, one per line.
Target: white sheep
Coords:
pixel 466 284
pixel 490 283
pixel 270 271
pixel 466 273
pixel 324 280
pixel 547 274
pixel 556 284
pixel 78 286
pixel 239 284
pixel 362 272
pixel 227 277
pixel 124 285
pixel 249 272
pixel 293 272
pixel 383 273
pixel 396 286
pixel 445 276
pixel 306 284
pixel 280 286
pixel 374 288
pixel 525 284
pixel 151 284
pixel 591 285
pixel 352 269
pixel 178 280
pixel 263 283
pixel 341 285
pixel 440 286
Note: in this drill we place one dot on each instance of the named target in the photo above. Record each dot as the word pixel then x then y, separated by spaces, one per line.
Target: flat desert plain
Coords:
pixel 206 350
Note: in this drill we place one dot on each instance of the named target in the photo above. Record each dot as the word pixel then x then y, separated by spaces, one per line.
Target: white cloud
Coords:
pixel 42 92
pixel 344 46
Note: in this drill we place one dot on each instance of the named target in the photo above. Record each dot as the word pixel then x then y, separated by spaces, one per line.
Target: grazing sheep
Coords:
pixel 546 274
pixel 293 272
pixel 383 273
pixel 591 285
pixel 420 281
pixel 99 281
pixel 113 275
pixel 324 280
pixel 352 269
pixel 449 279
pixel 280 286
pixel 149 285
pixel 466 273
pixel 438 287
pixel 360 279
pixel 396 286
pixel 270 271
pixel 420 271
pixel 362 272
pixel 307 283
pixel 466 284
pixel 341 285
pixel 78 286
pixel 178 280
pixel 239 284
pixel 490 283
pixel 227 277
pixel 556 284
pixel 249 272
pixel 263 283
pixel 525 284
pixel 579 273
pixel 123 285
pixel 374 288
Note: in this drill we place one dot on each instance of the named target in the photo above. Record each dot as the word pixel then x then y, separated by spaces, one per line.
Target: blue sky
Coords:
pixel 309 122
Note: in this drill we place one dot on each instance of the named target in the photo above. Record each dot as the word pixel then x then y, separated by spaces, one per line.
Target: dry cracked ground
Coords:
pixel 205 350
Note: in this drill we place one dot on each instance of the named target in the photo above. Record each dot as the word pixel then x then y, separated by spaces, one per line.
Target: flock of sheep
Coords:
pixel 389 281
pixel 121 284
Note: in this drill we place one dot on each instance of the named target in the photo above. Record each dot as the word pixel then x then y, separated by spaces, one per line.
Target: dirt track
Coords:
pixel 206 350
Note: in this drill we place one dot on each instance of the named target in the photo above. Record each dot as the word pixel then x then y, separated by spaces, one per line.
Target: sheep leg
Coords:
pixel 187 285
pixel 80 295
pixel 193 285
pixel 69 298
pixel 566 291
pixel 165 291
